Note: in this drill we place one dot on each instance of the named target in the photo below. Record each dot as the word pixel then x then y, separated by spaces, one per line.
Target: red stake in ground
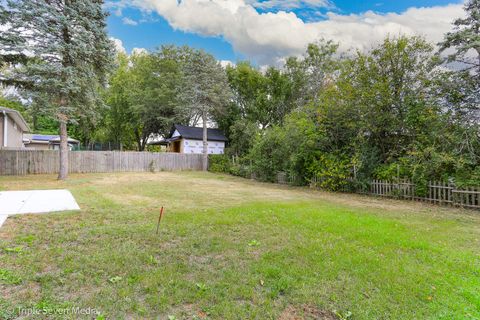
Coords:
pixel 160 218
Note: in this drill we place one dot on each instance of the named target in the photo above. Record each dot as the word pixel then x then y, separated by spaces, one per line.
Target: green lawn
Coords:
pixel 230 248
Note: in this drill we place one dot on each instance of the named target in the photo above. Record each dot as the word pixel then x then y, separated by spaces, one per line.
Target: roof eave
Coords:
pixel 17 117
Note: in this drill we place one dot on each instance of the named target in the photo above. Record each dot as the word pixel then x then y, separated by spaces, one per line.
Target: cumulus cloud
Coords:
pixel 121 49
pixel 226 63
pixel 291 4
pixel 270 36
pixel 139 51
pixel 118 45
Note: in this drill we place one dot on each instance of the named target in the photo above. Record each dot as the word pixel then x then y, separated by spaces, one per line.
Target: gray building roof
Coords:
pixel 17 117
pixel 47 138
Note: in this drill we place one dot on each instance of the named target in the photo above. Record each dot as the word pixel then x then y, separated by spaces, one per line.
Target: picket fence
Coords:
pixel 22 162
pixel 438 192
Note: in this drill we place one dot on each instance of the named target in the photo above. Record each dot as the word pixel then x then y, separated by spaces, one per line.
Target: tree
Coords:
pixel 465 38
pixel 119 119
pixel 278 88
pixel 155 92
pixel 248 90
pixel 309 73
pixel 385 113
pixel 69 55
pixel 205 90
pixel 143 96
pixel 260 100
pixel 9 58
pixel 392 85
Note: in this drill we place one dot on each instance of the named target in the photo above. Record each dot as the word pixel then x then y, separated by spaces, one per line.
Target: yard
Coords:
pixel 231 248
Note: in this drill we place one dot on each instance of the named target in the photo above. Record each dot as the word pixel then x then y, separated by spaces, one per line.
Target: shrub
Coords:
pixel 332 172
pixel 269 154
pixel 219 163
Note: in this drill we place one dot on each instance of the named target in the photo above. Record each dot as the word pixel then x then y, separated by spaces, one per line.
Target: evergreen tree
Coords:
pixel 465 42
pixel 68 55
pixel 465 38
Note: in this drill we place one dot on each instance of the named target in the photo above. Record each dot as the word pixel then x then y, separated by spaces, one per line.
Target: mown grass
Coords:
pixel 235 249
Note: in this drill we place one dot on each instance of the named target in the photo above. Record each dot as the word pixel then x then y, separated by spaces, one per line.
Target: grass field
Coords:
pixel 230 248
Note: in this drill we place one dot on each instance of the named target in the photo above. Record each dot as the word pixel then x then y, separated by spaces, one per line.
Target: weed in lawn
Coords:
pixel 28 239
pixel 17 250
pixel 201 287
pixel 115 279
pixel 343 315
pixel 8 277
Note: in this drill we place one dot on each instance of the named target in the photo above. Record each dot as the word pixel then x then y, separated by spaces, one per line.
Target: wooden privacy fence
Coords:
pixel 21 162
pixel 436 192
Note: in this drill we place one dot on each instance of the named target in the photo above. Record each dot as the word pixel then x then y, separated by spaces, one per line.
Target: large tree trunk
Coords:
pixel 63 173
pixel 205 141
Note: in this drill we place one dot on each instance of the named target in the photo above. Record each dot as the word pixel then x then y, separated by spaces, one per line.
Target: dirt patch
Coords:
pixel 305 312
pixel 182 311
pixel 28 291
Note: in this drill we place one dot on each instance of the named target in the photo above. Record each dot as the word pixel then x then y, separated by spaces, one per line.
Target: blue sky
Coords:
pixel 156 31
pixel 267 34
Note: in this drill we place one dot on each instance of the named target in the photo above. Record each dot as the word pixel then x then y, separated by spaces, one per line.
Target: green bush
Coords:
pixel 240 170
pixel 332 172
pixel 269 154
pixel 219 163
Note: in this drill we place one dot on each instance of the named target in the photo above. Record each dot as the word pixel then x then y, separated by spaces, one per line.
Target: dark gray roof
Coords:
pixel 196 133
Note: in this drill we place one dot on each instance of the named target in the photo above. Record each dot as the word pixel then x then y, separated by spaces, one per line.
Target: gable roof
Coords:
pixel 196 133
pixel 17 117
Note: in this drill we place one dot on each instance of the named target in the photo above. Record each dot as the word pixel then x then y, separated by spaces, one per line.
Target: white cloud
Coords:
pixel 226 63
pixel 139 51
pixel 269 37
pixel 129 21
pixel 121 49
pixel 117 6
pixel 291 4
pixel 118 45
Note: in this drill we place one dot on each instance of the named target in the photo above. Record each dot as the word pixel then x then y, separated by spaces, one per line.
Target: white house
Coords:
pixel 184 139
pixel 12 127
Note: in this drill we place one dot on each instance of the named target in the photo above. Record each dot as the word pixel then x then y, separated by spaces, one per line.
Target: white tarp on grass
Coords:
pixel 35 201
